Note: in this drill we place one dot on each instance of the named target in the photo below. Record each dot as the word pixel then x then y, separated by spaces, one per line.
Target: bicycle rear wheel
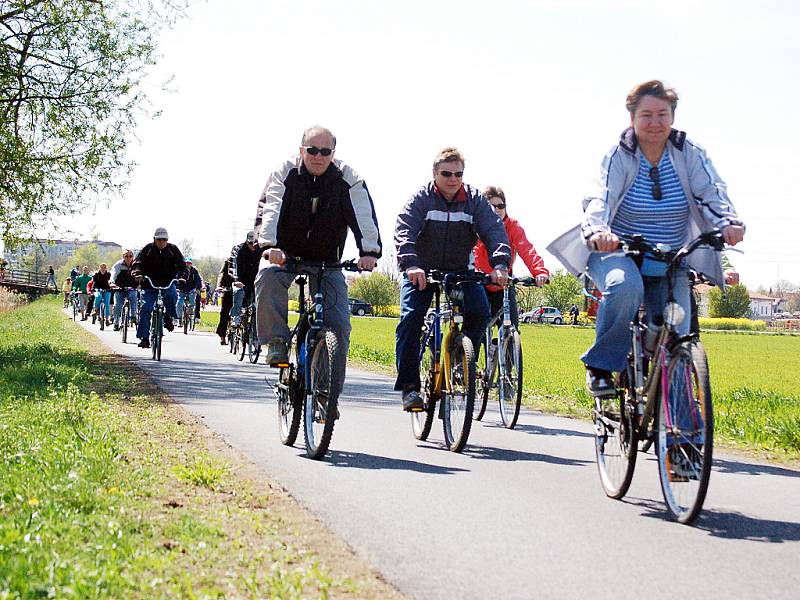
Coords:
pixel 422 421
pixel 511 392
pixel 125 321
pixel 487 378
pixel 290 405
pixel 685 432
pixel 321 402
pixel 615 439
pixel 459 400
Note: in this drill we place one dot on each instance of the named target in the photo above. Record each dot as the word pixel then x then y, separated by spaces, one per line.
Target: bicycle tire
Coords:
pixel 615 442
pixel 126 317
pixel 511 399
pixel 157 332
pixel 422 421
pixel 185 317
pixel 253 347
pixel 245 334
pixel 231 338
pixel 290 405
pixel 102 315
pixel 482 400
pixel 458 402
pixel 321 403
pixel 685 452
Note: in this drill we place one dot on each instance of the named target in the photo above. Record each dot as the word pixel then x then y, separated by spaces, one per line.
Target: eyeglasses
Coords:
pixel 162 239
pixel 656 187
pixel 449 174
pixel 313 150
pixel 503 206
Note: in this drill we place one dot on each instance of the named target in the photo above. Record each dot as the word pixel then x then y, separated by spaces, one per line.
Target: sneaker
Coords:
pixel 235 321
pixel 116 327
pixel 222 341
pixel 412 401
pixel 277 352
pixel 94 318
pixel 168 323
pixel 600 383
pixel 145 343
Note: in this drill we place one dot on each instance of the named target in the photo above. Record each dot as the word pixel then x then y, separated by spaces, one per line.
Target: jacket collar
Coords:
pixel 629 142
pixel 331 170
pixel 461 194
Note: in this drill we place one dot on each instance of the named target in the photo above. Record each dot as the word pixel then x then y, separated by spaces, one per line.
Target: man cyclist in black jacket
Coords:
pixel 305 210
pixel 162 262
pixel 244 261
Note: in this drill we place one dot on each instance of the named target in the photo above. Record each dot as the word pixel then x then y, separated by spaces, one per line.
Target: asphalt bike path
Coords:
pixel 519 514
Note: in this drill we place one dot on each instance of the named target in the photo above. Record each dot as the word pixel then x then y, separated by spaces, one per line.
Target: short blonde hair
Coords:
pixel 448 154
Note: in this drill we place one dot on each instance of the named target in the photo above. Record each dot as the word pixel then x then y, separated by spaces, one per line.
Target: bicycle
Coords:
pixel 249 336
pixel 157 318
pixel 75 302
pixel 663 398
pixel 187 316
pixel 501 376
pixel 125 318
pixel 310 382
pixel 447 363
pixel 102 311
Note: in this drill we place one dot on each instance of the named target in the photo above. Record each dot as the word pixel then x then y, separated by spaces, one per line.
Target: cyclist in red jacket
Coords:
pixel 519 246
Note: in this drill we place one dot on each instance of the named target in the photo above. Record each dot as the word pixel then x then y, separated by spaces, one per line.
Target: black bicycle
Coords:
pixel 187 315
pixel 447 363
pixel 310 382
pixel 125 321
pixel 501 375
pixel 663 397
pixel 157 318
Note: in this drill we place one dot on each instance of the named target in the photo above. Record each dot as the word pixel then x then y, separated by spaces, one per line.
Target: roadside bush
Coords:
pixel 730 324
pixel 9 300
pixel 388 311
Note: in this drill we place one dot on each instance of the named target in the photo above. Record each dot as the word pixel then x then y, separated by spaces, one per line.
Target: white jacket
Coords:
pixel 706 193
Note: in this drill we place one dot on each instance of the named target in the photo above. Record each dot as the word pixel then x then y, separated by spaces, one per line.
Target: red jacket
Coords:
pixel 519 245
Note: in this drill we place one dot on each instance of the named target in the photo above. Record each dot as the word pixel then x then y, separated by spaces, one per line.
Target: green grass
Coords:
pixel 754 377
pixel 104 493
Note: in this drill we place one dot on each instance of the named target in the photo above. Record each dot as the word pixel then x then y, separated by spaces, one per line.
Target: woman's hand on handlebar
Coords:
pixel 733 234
pixel 542 279
pixel 417 277
pixel 604 241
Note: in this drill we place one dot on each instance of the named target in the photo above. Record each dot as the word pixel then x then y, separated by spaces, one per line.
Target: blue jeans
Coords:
pixel 103 297
pixel 624 288
pixel 170 298
pixel 413 306
pixel 119 299
pixel 181 299
pixel 238 301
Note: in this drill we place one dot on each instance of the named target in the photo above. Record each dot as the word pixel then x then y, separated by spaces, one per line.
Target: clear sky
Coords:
pixel 532 92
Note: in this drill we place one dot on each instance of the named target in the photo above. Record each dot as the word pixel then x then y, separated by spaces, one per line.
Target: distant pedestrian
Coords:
pixel 51 278
pixel 573 313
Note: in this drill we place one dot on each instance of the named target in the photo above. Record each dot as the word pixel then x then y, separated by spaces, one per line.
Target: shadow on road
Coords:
pixel 539 430
pixel 730 525
pixel 504 454
pixel 733 466
pixel 359 460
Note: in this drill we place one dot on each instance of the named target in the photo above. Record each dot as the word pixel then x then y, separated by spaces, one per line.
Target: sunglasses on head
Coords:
pixel 449 174
pixel 654 177
pixel 313 150
pixel 503 205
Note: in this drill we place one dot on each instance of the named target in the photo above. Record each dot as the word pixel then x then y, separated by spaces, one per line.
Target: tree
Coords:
pixel 379 289
pixel 209 267
pixel 71 74
pixel 529 298
pixel 563 291
pixel 187 247
pixel 734 302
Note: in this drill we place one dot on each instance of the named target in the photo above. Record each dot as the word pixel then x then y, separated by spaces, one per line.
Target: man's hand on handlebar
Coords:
pixel 275 255
pixel 417 277
pixel 367 263
pixel 499 275
pixel 733 234
pixel 238 284
pixel 542 280
pixel 604 241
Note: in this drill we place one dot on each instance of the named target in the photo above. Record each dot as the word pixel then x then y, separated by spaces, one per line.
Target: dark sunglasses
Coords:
pixel 503 206
pixel 449 174
pixel 656 187
pixel 313 150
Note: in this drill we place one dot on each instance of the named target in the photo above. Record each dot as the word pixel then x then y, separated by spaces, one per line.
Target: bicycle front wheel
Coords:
pixel 290 405
pixel 244 333
pixel 422 421
pixel 185 319
pixel 157 334
pixel 685 432
pixel 487 380
pixel 253 347
pixel 102 316
pixel 321 401
pixel 459 400
pixel 510 384
pixel 125 322
pixel 615 439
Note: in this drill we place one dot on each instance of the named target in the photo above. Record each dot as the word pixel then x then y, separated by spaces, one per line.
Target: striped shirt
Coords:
pixel 662 221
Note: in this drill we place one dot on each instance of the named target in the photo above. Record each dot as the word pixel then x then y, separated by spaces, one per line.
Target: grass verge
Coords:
pixel 107 490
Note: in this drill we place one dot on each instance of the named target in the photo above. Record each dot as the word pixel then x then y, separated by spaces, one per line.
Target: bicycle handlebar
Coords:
pixel 636 245
pixel 298 263
pixel 155 287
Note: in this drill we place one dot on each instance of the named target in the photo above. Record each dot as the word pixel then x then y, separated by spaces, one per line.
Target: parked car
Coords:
pixel 543 314
pixel 359 307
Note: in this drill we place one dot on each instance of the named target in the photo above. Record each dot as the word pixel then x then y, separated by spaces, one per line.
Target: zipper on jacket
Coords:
pixel 446 233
